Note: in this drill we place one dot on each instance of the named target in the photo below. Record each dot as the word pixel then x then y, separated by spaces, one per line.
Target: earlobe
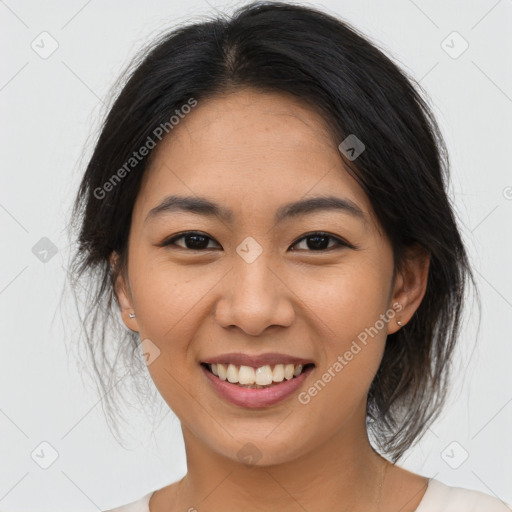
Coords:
pixel 410 286
pixel 123 295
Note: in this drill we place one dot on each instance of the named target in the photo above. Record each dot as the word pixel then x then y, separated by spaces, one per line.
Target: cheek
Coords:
pixel 351 337
pixel 349 305
pixel 346 301
pixel 167 298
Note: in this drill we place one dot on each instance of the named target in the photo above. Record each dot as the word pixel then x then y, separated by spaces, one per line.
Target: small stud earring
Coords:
pixel 131 315
pixel 399 323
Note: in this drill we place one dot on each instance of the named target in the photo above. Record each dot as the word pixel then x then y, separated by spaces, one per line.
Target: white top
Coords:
pixel 437 498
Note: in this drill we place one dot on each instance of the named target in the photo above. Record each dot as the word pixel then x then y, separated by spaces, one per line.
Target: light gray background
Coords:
pixel 50 109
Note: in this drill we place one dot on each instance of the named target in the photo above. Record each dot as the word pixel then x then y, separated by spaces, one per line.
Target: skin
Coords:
pixel 253 152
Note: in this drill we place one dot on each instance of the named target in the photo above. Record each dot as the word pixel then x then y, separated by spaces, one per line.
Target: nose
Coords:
pixel 255 296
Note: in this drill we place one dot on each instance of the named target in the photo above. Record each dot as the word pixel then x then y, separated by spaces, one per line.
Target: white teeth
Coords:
pixel 288 371
pixel 232 374
pixel 221 369
pixel 262 376
pixel 278 373
pixel 246 375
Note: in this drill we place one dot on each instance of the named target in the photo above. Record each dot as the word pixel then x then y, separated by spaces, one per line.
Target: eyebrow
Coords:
pixel 203 206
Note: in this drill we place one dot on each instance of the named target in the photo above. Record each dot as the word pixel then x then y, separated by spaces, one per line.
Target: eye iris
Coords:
pixel 318 245
pixel 202 244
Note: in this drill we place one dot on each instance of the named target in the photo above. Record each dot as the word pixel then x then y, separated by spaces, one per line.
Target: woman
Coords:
pixel 266 209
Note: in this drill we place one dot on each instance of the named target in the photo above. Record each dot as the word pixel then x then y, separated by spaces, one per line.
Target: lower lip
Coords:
pixel 251 397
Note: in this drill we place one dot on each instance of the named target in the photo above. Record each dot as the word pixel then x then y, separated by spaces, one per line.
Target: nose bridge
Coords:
pixel 254 277
pixel 254 297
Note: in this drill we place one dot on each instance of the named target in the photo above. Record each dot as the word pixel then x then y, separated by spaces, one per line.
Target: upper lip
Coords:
pixel 256 361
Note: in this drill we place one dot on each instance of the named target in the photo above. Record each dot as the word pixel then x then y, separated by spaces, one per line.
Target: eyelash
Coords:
pixel 340 242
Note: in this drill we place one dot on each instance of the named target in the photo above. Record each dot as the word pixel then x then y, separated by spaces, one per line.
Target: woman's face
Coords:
pixel 255 283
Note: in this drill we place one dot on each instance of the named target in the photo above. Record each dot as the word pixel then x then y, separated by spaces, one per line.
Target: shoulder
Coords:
pixel 141 505
pixel 440 497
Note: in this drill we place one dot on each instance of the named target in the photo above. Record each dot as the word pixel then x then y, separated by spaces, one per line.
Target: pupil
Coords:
pixel 317 245
pixel 196 245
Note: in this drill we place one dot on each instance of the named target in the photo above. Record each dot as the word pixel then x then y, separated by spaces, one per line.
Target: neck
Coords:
pixel 345 468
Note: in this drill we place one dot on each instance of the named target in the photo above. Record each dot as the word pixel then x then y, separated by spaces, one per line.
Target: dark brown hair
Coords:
pixel 327 64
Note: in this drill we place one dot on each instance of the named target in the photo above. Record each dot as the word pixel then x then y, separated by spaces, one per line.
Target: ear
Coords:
pixel 123 294
pixel 410 286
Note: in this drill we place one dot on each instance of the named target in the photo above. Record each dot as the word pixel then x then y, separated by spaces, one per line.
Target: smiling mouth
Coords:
pixel 257 378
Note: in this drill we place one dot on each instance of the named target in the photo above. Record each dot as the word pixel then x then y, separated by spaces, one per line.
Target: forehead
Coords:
pixel 252 151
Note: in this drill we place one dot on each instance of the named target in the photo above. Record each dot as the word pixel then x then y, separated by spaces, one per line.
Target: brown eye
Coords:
pixel 193 241
pixel 314 242
pixel 319 241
